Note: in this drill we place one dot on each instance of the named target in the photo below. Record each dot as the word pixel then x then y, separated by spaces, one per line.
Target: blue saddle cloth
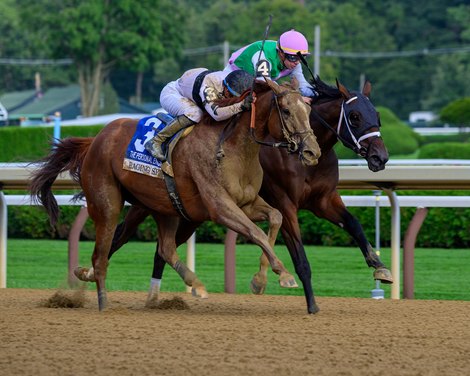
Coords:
pixel 138 159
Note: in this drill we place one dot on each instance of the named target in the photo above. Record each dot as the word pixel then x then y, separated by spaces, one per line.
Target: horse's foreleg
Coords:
pixel 167 229
pixel 333 209
pixel 261 211
pixel 227 213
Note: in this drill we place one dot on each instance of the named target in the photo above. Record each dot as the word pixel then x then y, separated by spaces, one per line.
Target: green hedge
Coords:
pixel 431 139
pixel 26 144
pixel 399 138
pixel 457 112
pixel 443 227
pixel 445 150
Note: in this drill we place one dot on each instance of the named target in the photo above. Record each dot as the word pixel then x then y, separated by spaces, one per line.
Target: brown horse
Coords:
pixel 336 114
pixel 224 191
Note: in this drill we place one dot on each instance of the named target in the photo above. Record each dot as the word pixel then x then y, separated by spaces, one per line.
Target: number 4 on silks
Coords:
pixel 263 68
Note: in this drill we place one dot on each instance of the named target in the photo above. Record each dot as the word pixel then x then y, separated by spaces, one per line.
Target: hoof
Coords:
pixel 199 292
pixel 383 275
pixel 152 301
pixel 102 300
pixel 152 297
pixel 84 274
pixel 287 280
pixel 313 309
pixel 258 284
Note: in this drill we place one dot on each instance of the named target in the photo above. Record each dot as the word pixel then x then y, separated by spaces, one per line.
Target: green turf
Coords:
pixel 439 273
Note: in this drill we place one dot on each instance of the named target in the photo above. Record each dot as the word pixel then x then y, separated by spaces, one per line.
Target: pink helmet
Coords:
pixel 292 42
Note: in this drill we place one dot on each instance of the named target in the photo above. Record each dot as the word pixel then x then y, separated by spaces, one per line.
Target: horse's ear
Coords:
pixel 274 86
pixel 344 92
pixel 367 88
pixel 295 83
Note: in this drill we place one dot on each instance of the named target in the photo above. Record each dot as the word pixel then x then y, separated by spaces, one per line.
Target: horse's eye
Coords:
pixel 286 111
pixel 354 117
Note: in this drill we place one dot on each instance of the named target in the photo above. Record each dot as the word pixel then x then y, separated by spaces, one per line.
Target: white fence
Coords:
pixel 353 174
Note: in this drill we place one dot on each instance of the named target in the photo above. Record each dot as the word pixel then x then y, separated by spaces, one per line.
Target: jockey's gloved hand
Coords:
pixel 246 104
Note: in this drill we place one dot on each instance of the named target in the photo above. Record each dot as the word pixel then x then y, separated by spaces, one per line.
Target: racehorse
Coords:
pixel 223 190
pixel 336 114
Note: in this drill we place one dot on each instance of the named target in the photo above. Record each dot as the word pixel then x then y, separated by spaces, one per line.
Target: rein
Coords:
pixel 356 145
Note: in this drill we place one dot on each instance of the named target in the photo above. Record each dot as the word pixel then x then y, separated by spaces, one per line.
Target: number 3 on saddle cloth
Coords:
pixel 138 159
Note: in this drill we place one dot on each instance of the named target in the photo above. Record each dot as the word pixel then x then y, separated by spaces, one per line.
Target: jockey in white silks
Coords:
pixel 196 91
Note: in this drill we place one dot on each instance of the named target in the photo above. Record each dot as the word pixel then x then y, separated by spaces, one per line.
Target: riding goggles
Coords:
pixel 292 58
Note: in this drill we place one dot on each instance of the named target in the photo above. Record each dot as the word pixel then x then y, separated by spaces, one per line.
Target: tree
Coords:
pixel 171 36
pixel 99 35
pixel 18 43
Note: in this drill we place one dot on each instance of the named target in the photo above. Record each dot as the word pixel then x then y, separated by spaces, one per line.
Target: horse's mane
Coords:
pixel 324 90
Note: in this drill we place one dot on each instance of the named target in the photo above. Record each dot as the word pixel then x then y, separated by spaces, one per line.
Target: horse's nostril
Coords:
pixel 310 157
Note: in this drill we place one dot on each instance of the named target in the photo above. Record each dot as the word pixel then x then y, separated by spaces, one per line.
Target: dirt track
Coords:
pixel 232 335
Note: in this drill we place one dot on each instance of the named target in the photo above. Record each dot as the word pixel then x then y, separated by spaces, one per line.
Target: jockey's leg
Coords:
pixel 154 146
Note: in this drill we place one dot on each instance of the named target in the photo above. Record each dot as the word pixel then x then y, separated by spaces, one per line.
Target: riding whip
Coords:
pixel 304 62
pixel 266 32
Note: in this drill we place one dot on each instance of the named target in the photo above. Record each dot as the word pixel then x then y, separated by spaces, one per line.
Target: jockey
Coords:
pixel 195 91
pixel 278 59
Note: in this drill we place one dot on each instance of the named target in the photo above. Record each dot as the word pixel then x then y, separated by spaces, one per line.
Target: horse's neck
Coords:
pixel 330 113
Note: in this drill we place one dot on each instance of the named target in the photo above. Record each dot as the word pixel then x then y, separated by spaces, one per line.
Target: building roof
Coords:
pixel 16 99
pixel 65 100
pixel 51 101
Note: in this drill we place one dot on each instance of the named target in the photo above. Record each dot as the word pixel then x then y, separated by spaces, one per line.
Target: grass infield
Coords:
pixel 336 271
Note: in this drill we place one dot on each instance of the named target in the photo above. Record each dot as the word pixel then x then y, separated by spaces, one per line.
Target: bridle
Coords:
pixel 290 143
pixel 344 119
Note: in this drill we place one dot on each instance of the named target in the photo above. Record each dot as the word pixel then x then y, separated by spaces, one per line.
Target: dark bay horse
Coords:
pixel 224 191
pixel 336 114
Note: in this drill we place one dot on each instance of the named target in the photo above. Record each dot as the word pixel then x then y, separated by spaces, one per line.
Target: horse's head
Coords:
pixel 359 127
pixel 293 124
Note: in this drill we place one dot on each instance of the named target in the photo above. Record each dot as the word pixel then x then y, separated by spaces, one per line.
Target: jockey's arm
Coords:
pixel 214 110
pixel 305 88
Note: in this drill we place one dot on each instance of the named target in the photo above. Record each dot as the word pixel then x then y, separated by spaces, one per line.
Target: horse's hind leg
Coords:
pixel 105 215
pixel 332 208
pixel 134 217
pixel 167 229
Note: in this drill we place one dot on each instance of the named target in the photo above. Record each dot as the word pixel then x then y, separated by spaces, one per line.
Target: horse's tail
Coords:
pixel 66 155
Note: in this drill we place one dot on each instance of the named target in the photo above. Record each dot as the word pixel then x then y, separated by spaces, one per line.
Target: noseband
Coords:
pixel 291 145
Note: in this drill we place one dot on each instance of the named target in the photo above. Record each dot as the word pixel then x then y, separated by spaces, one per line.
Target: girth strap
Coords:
pixel 174 196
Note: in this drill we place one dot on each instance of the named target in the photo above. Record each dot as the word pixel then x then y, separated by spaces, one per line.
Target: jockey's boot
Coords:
pixel 154 146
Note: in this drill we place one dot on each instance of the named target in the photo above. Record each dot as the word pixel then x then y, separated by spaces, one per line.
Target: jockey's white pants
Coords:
pixel 176 104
